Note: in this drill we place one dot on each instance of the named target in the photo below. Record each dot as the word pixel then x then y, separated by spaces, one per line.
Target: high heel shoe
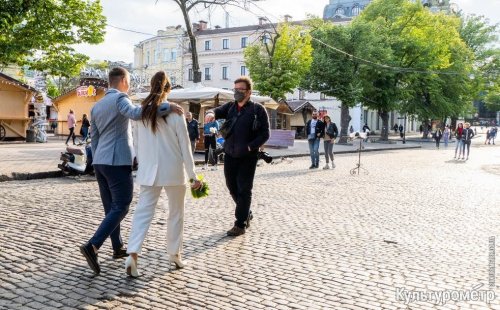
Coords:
pixel 176 259
pixel 131 267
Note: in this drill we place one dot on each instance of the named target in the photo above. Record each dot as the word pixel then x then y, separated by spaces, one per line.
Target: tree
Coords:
pixel 427 66
pixel 333 71
pixel 42 33
pixel 278 65
pixel 186 6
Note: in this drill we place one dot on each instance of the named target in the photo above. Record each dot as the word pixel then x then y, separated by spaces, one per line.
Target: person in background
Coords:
pixel 421 129
pixel 84 131
pixel 241 147
pixel 446 135
pixel 193 131
pixel 395 128
pixel 210 130
pixel 315 130
pixel 467 136
pixel 458 137
pixel 71 126
pixel 401 128
pixel 437 135
pixel 493 134
pixel 165 162
pixel 331 133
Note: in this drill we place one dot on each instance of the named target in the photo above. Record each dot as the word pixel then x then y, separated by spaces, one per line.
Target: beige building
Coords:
pixel 162 52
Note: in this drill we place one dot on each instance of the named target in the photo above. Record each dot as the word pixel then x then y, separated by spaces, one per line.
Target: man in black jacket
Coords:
pixel 315 130
pixel 193 130
pixel 467 135
pixel 249 131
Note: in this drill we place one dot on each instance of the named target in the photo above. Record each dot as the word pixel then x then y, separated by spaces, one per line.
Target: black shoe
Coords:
pixel 88 251
pixel 312 167
pixel 250 217
pixel 236 231
pixel 121 253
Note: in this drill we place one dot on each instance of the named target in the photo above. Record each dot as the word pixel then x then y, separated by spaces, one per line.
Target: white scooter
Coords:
pixel 77 160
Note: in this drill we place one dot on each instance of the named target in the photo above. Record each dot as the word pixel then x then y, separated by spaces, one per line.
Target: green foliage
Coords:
pixel 278 68
pixel 42 33
pixel 52 89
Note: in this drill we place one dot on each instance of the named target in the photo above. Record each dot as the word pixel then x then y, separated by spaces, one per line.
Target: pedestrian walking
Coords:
pixel 210 130
pixel 315 130
pixel 331 133
pixel 488 137
pixel 112 160
pixel 71 120
pixel 165 157
pixel 193 131
pixel 493 134
pixel 395 128
pixel 458 137
pixel 437 136
pixel 467 136
pixel 446 136
pixel 366 130
pixel 84 130
pixel 247 132
pixel 421 129
pixel 401 129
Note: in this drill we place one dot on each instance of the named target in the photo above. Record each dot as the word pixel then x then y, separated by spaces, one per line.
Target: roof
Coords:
pixel 299 105
pixel 96 82
pixel 17 82
pixel 240 29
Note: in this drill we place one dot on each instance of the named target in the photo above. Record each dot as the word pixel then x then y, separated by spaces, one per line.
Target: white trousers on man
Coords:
pixel 145 210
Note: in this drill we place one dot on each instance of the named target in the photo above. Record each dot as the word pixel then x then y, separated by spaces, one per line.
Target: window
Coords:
pixel 172 80
pixel 302 94
pixel 224 73
pixel 355 10
pixel 243 70
pixel 339 11
pixel 208 45
pixel 208 76
pixel 244 42
pixel 173 55
pixel 225 44
pixel 166 55
pixel 322 96
pixel 190 74
pixel 147 58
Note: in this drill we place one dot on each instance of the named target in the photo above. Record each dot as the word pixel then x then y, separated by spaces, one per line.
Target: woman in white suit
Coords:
pixel 164 155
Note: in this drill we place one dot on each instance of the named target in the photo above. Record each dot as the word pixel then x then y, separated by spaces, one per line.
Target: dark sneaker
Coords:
pixel 121 253
pixel 250 217
pixel 312 167
pixel 236 231
pixel 88 252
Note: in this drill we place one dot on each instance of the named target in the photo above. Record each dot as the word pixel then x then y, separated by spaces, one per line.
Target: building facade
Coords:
pixel 162 52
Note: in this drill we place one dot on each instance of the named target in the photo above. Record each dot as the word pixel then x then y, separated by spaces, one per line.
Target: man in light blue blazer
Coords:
pixel 112 160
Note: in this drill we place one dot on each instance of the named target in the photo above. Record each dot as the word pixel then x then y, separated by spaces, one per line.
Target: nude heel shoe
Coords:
pixel 176 259
pixel 131 267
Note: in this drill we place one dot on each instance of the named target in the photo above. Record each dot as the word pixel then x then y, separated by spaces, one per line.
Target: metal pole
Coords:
pixel 404 131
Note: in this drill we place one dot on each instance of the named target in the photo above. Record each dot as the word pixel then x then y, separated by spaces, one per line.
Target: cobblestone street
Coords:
pixel 322 239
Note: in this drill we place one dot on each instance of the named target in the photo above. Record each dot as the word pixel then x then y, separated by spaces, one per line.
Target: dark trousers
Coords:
pixel 437 141
pixel 210 143
pixel 466 145
pixel 239 173
pixel 116 187
pixel 71 135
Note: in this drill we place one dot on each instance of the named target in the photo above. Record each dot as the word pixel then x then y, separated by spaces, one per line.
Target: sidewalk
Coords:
pixel 25 161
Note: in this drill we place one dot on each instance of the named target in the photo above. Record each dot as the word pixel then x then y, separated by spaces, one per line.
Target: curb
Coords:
pixel 57 174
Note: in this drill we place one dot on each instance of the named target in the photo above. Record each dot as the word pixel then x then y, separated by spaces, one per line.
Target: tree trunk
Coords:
pixel 194 51
pixel 345 118
pixel 384 134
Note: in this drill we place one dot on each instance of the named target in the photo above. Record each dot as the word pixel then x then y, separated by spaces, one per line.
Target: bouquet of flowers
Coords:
pixel 202 191
pixel 213 130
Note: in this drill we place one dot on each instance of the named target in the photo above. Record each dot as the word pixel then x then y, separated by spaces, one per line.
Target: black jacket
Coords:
pixel 467 134
pixel 193 129
pixel 320 129
pixel 243 135
pixel 332 131
pixel 85 123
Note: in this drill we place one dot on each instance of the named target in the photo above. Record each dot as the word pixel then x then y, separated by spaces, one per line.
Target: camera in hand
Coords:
pixel 265 156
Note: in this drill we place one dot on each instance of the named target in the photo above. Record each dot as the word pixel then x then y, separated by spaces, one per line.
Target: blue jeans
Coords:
pixel 314 151
pixel 116 187
pixel 458 147
pixel 85 133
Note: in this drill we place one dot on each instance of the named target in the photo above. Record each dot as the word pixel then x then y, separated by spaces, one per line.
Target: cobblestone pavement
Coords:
pixel 419 221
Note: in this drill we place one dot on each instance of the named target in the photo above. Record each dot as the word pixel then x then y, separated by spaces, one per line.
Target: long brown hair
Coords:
pixel 160 87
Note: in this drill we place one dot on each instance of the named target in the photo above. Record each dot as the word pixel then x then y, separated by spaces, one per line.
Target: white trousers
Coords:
pixel 145 210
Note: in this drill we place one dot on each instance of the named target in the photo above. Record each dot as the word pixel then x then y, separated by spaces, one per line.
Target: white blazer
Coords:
pixel 165 157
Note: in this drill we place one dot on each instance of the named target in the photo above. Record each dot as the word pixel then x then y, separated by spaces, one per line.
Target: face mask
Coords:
pixel 239 96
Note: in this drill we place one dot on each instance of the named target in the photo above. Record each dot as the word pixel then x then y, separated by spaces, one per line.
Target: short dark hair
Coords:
pixel 116 75
pixel 246 80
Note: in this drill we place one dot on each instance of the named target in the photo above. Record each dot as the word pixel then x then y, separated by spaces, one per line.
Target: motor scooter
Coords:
pixel 77 160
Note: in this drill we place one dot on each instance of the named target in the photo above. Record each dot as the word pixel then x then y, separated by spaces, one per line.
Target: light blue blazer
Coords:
pixel 111 133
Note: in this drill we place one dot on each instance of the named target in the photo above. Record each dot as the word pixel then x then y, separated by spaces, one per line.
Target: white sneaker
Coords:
pixel 326 167
pixel 214 168
pixel 333 165
pixel 205 167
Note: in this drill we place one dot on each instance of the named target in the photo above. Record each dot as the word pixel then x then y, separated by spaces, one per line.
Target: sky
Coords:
pixel 148 16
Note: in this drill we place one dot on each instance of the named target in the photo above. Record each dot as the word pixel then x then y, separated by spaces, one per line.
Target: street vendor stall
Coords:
pixel 15 97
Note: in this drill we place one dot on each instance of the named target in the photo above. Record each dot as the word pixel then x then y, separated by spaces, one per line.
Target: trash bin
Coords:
pixel 30 135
